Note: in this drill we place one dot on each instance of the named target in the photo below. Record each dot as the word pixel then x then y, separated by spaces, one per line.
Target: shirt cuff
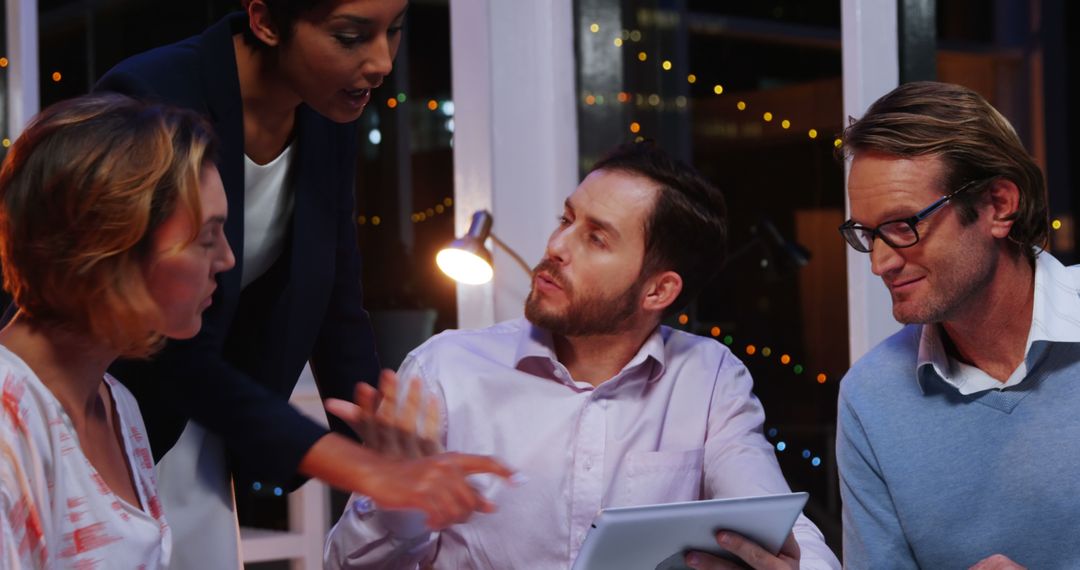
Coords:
pixel 400 524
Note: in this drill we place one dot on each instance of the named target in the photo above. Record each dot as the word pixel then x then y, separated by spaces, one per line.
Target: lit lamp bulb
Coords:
pixel 466 260
pixel 464 266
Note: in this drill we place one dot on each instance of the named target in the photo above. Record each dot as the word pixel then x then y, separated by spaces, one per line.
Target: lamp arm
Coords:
pixel 513 254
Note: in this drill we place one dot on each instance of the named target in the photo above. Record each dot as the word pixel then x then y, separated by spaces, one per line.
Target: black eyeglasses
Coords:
pixel 895 233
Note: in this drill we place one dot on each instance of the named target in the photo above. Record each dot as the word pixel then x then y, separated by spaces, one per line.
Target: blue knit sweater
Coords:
pixel 934 479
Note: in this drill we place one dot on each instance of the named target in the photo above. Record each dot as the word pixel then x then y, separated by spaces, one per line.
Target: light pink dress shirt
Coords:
pixel 678 423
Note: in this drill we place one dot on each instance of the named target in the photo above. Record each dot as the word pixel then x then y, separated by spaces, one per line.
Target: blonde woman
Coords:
pixel 111 234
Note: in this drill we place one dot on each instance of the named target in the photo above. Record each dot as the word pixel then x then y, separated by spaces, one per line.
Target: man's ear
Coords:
pixel 661 290
pixel 1004 204
pixel 261 24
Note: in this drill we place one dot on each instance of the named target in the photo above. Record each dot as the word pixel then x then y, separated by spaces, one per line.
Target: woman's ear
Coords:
pixel 260 22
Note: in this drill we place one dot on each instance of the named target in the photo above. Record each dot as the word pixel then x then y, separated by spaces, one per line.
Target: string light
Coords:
pixel 684 318
pixel 6 142
pixel 667 65
pixel 782 445
pixel 752 349
pixel 837 142
pixel 594 28
pixel 56 77
pixel 1056 224
pixel 432 105
pixel 635 127
pixel 391 102
pixel 416 217
pixel 4 62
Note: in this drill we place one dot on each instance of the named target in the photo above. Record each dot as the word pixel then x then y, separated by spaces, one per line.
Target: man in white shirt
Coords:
pixel 589 397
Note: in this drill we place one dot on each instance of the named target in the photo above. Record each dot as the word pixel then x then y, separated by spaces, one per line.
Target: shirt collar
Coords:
pixel 1055 317
pixel 536 345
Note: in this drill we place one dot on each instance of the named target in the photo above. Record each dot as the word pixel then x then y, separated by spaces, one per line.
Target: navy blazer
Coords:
pixel 236 376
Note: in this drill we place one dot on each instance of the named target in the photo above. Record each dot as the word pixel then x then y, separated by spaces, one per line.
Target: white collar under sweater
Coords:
pixel 1055 317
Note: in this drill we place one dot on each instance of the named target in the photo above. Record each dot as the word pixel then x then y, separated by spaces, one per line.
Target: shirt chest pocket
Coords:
pixel 660 477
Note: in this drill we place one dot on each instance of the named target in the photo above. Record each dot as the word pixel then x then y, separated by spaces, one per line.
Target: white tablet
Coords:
pixel 657 536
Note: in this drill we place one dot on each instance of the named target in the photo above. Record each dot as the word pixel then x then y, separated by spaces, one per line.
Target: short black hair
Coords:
pixel 687 230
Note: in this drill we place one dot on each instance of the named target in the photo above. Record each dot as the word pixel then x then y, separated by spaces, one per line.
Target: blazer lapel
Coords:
pixel 221 84
pixel 314 225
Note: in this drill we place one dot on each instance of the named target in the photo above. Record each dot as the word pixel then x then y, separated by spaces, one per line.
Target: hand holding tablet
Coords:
pixel 659 536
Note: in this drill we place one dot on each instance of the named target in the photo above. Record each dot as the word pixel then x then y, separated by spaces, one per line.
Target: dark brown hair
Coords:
pixel 81 192
pixel 686 232
pixel 973 140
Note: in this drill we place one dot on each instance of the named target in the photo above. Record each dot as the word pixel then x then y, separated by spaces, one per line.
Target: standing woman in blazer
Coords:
pixel 282 83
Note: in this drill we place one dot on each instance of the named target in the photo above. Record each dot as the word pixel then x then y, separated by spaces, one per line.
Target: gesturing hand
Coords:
pixel 410 470
pixel 435 485
pixel 407 428
pixel 750 552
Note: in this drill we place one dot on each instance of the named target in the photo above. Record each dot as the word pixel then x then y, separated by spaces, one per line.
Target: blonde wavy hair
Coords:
pixel 81 193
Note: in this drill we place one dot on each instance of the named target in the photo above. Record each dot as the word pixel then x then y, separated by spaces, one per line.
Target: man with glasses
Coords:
pixel 957 435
